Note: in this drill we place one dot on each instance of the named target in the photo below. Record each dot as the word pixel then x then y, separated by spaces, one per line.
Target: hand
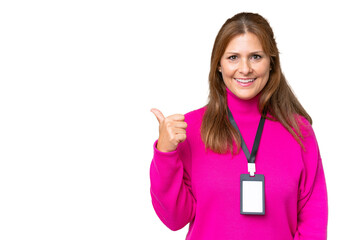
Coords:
pixel 171 131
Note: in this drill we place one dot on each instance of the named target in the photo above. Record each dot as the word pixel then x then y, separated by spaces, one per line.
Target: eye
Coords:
pixel 256 57
pixel 233 57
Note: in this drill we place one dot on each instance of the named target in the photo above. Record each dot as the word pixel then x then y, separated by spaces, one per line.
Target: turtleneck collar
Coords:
pixel 245 108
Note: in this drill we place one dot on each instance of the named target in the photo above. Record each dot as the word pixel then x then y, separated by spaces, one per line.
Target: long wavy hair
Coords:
pixel 276 98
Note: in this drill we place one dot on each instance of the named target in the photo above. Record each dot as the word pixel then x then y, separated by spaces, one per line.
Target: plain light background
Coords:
pixel 78 80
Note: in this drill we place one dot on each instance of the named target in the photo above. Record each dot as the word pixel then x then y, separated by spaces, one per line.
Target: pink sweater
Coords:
pixel 190 185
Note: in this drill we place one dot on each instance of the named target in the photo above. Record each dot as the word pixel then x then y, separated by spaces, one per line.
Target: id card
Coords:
pixel 252 194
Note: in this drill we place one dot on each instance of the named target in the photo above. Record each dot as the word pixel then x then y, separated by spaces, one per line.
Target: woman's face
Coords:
pixel 244 66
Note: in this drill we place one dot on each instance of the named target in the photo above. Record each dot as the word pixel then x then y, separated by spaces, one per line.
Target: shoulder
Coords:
pixel 308 138
pixel 194 120
pixel 195 117
pixel 311 152
pixel 305 127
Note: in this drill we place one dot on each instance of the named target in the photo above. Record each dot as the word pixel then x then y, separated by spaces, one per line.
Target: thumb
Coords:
pixel 158 114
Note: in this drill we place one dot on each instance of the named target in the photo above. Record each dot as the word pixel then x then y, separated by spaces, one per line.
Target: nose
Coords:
pixel 244 67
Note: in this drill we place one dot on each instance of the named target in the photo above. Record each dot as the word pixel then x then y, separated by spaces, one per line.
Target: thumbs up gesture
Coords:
pixel 171 130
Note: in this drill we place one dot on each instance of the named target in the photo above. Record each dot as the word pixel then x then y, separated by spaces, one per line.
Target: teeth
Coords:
pixel 245 81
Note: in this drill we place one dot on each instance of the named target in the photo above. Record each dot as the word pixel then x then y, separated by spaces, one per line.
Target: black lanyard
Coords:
pixel 250 158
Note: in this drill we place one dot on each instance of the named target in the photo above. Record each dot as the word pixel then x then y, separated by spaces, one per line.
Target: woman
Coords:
pixel 200 157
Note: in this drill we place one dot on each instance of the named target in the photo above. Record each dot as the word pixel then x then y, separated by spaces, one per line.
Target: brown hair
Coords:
pixel 276 98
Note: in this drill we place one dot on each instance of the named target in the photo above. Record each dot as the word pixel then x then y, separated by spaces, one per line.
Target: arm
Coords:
pixel 170 189
pixel 312 200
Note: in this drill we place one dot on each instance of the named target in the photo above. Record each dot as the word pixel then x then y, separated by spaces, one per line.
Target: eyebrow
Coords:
pixel 250 53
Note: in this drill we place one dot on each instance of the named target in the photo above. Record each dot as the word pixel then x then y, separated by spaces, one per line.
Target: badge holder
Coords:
pixel 252 193
pixel 252 187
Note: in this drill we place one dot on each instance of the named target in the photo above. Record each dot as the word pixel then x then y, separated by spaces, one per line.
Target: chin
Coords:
pixel 247 97
pixel 244 94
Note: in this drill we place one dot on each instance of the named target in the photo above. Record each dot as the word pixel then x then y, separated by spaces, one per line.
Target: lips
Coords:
pixel 245 80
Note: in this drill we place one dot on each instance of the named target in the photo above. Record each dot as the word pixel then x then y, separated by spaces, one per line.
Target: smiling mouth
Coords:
pixel 248 80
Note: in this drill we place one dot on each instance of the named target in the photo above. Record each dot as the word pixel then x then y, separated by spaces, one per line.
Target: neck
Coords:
pixel 245 108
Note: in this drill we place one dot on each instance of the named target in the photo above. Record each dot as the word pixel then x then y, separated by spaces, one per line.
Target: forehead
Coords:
pixel 247 42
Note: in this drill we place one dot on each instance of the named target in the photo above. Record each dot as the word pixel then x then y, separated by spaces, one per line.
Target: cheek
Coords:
pixel 229 70
pixel 264 71
pixel 265 79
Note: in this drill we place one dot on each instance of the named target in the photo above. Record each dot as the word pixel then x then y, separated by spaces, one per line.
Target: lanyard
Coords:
pixel 249 157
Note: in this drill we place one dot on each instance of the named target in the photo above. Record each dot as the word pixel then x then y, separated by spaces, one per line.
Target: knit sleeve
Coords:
pixel 170 189
pixel 312 196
